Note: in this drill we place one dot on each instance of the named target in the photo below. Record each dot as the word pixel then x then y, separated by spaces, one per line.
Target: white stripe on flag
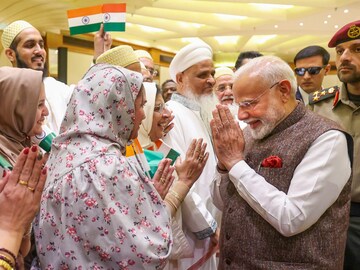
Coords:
pixel 79 21
pixel 114 17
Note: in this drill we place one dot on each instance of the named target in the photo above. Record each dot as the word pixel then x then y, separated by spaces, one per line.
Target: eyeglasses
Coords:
pixel 159 108
pixel 310 70
pixel 250 104
pixel 152 71
pixel 223 87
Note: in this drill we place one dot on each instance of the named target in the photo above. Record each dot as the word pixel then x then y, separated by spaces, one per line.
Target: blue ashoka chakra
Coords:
pixel 107 17
pixel 85 20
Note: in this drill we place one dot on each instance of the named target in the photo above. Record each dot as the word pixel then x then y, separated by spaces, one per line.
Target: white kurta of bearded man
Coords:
pixel 200 217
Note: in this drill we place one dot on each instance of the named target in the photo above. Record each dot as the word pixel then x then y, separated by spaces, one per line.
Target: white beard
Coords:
pixel 271 119
pixel 207 104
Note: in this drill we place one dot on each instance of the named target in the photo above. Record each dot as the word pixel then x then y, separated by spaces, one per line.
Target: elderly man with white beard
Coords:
pixel 192 69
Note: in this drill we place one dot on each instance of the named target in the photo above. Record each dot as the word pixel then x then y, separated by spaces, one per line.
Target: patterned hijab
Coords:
pixel 100 117
pixel 19 92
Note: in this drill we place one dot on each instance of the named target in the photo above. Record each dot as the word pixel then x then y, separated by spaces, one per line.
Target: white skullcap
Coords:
pixel 143 54
pixel 12 30
pixel 122 56
pixel 221 71
pixel 188 56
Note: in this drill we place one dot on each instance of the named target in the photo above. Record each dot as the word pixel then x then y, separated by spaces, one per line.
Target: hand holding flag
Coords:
pixel 85 20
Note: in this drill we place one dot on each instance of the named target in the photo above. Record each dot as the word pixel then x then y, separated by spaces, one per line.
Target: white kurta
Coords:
pixel 315 186
pixel 58 95
pixel 199 215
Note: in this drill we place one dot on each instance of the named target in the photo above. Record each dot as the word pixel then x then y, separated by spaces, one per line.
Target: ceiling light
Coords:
pixel 271 6
pixel 325 22
pixel 346 11
pixel 227 39
pixel 336 26
pixel 151 29
pixel 329 16
pixel 276 26
pixel 301 24
pixel 228 17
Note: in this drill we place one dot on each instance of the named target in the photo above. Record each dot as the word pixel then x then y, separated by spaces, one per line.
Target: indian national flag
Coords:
pixel 86 20
pixel 167 151
pixel 135 154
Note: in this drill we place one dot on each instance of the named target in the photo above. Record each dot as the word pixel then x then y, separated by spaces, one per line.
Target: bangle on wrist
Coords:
pixel 5 264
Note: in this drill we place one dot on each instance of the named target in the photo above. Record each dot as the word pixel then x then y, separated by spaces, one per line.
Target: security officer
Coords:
pixel 343 105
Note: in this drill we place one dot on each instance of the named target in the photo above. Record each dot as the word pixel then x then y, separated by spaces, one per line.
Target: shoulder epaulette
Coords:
pixel 317 96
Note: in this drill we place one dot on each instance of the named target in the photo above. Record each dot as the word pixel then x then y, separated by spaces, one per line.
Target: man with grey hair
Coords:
pixel 192 69
pixel 279 180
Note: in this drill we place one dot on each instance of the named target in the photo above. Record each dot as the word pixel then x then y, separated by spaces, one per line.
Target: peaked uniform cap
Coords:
pixel 351 31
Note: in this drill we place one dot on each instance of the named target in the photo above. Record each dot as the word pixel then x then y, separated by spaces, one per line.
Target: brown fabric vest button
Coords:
pixel 227 236
pixel 227 261
pixel 230 210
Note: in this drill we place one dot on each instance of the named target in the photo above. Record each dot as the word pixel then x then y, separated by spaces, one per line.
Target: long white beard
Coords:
pixel 207 104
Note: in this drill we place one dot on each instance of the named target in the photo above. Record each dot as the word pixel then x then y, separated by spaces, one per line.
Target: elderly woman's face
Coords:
pixel 139 113
pixel 41 112
pixel 160 116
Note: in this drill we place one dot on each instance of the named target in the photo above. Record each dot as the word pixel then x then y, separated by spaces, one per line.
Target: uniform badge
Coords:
pixel 353 32
pixel 331 90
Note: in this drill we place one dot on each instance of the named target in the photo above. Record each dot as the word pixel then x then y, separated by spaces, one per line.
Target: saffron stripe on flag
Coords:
pixel 81 12
pixel 114 7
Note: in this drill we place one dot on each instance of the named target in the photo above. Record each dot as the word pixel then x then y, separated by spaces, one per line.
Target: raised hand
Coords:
pixel 227 137
pixel 163 177
pixel 191 168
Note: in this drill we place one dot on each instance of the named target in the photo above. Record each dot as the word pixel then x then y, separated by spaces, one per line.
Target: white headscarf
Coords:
pixel 150 90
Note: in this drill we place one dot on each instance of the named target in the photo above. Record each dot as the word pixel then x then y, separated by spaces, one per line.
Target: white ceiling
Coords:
pixel 229 27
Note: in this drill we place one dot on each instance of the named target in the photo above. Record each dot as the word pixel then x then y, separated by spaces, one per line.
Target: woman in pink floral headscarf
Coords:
pixel 99 211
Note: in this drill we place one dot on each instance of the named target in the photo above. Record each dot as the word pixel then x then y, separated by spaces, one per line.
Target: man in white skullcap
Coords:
pixel 148 62
pixel 192 69
pixel 224 79
pixel 24 47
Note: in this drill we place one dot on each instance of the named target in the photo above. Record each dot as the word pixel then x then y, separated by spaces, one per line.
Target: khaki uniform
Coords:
pixel 334 104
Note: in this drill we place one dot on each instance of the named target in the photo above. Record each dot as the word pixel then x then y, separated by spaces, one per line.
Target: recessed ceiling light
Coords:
pixel 336 26
pixel 276 26
pixel 325 22
pixel 301 24
pixel 329 16
pixel 346 11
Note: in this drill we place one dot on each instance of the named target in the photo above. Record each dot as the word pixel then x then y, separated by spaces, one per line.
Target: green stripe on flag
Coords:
pixel 172 155
pixel 82 29
pixel 114 26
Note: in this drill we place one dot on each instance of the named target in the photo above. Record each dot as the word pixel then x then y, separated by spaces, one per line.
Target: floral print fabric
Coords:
pixel 99 211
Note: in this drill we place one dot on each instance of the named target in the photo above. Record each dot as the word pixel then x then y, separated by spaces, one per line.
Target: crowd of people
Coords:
pixel 251 167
